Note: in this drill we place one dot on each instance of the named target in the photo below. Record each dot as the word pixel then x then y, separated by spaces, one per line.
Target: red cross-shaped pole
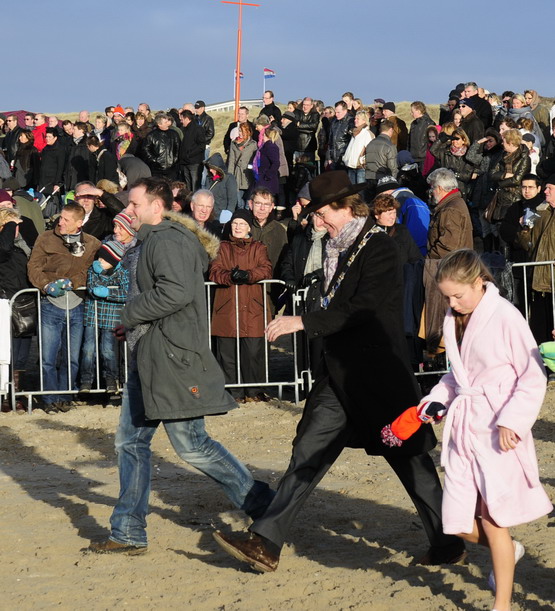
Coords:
pixel 241 4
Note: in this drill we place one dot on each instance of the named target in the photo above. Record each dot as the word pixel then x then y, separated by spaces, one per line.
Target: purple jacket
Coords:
pixel 268 170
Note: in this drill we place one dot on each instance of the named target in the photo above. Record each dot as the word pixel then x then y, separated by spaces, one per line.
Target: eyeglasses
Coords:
pixel 320 215
pixel 262 204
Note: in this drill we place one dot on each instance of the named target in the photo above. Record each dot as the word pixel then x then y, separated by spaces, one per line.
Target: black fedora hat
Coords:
pixel 329 187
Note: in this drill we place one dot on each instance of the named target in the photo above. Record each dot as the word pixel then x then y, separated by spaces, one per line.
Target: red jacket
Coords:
pixel 39 132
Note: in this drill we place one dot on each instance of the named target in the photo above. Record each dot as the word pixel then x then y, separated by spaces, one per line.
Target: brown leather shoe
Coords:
pixel 113 547
pixel 250 548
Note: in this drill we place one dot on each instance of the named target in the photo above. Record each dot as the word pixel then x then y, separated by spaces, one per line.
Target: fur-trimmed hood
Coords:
pixel 210 242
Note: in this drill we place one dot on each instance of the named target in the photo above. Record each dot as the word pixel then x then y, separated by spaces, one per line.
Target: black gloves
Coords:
pixel 239 276
pixel 312 278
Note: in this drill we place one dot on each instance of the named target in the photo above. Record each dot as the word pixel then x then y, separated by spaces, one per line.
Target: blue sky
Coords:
pixel 168 52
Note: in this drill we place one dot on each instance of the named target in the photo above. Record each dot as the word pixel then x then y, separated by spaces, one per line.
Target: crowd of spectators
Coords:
pixel 483 177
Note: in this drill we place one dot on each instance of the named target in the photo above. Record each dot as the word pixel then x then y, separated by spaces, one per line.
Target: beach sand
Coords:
pixel 353 545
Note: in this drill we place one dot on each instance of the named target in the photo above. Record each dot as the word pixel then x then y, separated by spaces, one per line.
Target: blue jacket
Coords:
pixel 415 214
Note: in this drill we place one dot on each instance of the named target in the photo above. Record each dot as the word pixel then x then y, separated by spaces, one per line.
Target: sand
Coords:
pixel 353 546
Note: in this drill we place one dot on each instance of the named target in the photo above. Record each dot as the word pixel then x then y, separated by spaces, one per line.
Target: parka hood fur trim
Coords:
pixel 210 242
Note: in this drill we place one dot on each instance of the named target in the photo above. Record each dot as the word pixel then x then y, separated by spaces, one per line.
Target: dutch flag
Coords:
pixel 269 73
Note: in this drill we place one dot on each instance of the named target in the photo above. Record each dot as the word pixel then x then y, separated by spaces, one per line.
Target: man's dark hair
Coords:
pixel 52 131
pixel 507 94
pixel 109 109
pixel 348 94
pixel 187 114
pixel 30 114
pixel 81 125
pixel 66 122
pixel 76 209
pixel 156 187
pixel 92 140
pixel 532 177
pixel 263 192
pixel 269 92
pixel 243 108
pixel 385 125
pixel 342 104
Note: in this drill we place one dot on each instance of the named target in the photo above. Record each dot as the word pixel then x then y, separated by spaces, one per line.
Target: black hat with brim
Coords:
pixel 329 187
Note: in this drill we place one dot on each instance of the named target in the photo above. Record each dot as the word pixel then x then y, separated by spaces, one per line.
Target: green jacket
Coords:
pixel 540 244
pixel 180 377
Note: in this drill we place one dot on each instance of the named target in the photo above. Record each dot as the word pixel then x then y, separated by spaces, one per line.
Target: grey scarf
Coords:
pixel 338 245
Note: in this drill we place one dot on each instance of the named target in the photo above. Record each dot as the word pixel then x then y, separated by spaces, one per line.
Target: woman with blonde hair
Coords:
pixel 354 157
pixel 492 398
pixel 508 172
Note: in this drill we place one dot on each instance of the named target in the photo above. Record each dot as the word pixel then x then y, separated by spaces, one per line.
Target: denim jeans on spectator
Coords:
pixel 356 176
pixel 193 444
pixel 54 339
pixel 108 356
pixel 242 199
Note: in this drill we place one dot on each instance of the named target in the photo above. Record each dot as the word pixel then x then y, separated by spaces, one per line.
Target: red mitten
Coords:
pixel 402 427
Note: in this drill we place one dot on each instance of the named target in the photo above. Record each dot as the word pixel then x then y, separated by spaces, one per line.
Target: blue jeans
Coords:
pixel 193 444
pixel 109 361
pixel 356 176
pixel 54 339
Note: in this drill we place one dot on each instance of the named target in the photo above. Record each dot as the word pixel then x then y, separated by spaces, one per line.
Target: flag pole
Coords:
pixel 238 60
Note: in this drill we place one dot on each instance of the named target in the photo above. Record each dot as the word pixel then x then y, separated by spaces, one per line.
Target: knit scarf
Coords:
pixel 314 258
pixel 458 151
pixel 338 245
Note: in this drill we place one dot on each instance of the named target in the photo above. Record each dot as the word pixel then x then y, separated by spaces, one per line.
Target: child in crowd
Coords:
pixel 107 285
pixel 493 394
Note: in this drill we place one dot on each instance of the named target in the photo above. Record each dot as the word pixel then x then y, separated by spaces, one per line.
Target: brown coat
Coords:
pixel 247 255
pixel 50 260
pixel 450 226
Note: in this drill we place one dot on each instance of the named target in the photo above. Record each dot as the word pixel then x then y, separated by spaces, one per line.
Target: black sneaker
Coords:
pixel 51 408
pixel 85 387
pixel 111 387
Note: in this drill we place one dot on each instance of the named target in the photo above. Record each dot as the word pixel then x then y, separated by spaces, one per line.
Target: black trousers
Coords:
pixel 541 316
pixel 252 363
pixel 321 436
pixel 191 175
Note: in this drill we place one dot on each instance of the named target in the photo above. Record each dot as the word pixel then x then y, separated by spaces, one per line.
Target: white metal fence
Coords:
pixel 298 379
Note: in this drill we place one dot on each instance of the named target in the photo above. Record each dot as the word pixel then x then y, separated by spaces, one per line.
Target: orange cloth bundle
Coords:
pixel 410 421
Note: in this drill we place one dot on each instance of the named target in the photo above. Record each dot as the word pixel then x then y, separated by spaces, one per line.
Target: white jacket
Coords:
pixel 356 147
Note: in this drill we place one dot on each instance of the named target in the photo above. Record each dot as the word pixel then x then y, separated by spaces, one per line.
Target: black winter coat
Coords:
pixel 483 110
pixel 271 110
pixel 161 150
pixel 10 143
pixel 78 165
pixel 27 163
pixel 104 166
pixel 418 139
pixel 307 126
pixel 473 127
pixel 508 189
pixel 101 220
pixel 207 124
pixel 53 161
pixel 340 134
pixel 13 263
pixel 365 352
pixel 193 144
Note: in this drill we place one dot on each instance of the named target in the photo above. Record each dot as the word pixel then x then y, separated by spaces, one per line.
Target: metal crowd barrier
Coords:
pixel 301 379
pixel 296 381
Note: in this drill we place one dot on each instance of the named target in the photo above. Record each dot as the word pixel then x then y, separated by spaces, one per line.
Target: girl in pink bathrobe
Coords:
pixel 493 393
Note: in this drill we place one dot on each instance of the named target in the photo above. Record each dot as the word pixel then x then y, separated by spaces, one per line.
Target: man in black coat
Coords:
pixel 270 109
pixel 53 160
pixel 364 380
pixel 308 121
pixel 78 164
pixel 191 151
pixel 100 209
pixel 470 122
pixel 481 106
pixel 10 142
pixel 103 163
pixel 161 148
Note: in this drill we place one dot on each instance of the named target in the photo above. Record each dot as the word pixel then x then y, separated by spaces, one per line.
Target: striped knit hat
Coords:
pixel 111 252
pixel 124 221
